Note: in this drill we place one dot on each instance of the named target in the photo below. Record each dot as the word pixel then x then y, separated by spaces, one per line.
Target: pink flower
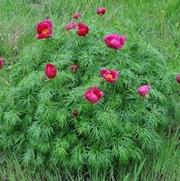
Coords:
pixel 76 15
pixel 50 71
pixel 144 90
pixel 110 76
pixel 1 62
pixel 82 29
pixel 44 29
pixel 93 95
pixel 70 26
pixel 178 78
pixel 101 11
pixel 115 41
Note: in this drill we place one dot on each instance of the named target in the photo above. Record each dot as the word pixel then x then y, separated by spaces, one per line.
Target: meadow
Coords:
pixel 152 28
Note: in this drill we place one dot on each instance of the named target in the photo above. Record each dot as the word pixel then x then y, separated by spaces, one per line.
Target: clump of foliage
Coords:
pixel 37 114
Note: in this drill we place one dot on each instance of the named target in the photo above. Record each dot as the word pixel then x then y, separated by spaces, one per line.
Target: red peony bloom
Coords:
pixel 110 76
pixel 93 95
pixel 101 11
pixel 1 62
pixel 76 15
pixel 44 29
pixel 178 78
pixel 50 71
pixel 74 68
pixel 115 41
pixel 144 90
pixel 82 29
pixel 70 26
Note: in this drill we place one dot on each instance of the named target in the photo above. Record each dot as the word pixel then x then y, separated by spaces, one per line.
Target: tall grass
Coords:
pixel 155 21
pixel 166 167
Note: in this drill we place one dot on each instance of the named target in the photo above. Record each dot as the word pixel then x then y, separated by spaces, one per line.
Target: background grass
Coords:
pixel 152 21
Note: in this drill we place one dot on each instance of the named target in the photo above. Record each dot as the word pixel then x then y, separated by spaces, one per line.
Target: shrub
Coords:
pixel 47 121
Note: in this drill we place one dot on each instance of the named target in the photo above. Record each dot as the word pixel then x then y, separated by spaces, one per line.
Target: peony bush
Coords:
pixel 89 99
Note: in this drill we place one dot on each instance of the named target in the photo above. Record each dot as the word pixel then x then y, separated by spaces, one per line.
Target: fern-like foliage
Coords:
pixel 36 113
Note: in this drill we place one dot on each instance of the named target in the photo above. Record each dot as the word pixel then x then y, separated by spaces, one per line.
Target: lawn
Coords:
pixel 152 28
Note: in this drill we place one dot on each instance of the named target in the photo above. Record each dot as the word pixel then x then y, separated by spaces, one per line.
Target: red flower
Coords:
pixel 50 70
pixel 110 76
pixel 93 95
pixel 144 90
pixel 76 15
pixel 1 62
pixel 101 11
pixel 74 68
pixel 82 29
pixel 178 78
pixel 70 26
pixel 115 41
pixel 44 29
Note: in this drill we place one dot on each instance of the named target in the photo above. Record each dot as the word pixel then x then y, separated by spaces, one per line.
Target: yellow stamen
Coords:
pixel 45 31
pixel 109 77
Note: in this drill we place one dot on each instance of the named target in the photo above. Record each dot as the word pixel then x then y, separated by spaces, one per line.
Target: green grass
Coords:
pixel 155 22
pixel 152 21
pixel 166 167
